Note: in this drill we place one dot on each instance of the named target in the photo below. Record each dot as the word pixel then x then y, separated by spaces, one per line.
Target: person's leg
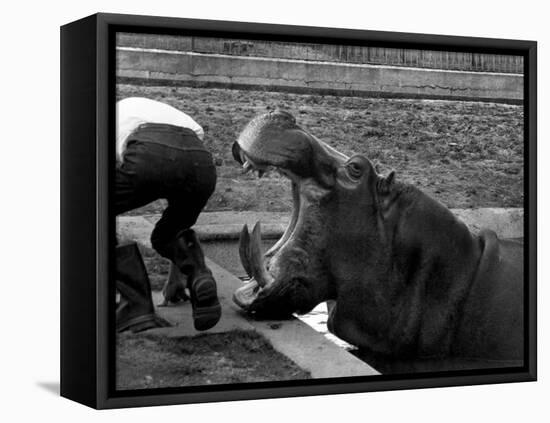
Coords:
pixel 135 310
pixel 200 281
pixel 134 179
pixel 173 238
pixel 134 187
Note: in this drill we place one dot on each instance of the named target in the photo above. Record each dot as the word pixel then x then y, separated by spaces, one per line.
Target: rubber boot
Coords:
pixel 135 310
pixel 200 282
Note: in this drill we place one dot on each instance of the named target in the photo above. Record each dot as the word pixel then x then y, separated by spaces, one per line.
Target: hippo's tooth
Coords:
pixel 247 166
pixel 244 250
pixel 259 272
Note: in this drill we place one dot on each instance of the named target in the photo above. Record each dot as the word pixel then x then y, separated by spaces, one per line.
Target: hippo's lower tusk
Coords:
pixel 244 250
pixel 259 271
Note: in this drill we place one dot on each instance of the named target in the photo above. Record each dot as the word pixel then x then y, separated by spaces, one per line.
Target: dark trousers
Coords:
pixel 170 162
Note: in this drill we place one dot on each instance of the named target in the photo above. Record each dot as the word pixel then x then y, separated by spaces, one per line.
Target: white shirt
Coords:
pixel 134 111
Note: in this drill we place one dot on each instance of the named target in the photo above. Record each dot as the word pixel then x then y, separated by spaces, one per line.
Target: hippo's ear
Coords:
pixel 385 184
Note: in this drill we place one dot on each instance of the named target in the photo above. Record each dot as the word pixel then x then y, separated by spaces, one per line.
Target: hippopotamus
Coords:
pixel 404 276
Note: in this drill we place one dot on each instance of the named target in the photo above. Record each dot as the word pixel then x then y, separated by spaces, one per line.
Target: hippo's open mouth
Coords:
pixel 290 277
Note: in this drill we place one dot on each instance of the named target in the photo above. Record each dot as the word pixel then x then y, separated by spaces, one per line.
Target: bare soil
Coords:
pixel 146 361
pixel 465 154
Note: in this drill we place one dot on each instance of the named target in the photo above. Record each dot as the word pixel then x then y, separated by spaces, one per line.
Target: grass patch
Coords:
pixel 148 361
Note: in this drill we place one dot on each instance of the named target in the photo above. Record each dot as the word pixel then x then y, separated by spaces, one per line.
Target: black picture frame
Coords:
pixel 87 221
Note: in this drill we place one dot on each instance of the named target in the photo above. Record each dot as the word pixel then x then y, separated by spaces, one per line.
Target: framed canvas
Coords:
pixel 394 176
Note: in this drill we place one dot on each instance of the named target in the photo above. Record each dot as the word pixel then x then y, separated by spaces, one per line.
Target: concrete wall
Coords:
pixel 309 76
pixel 373 55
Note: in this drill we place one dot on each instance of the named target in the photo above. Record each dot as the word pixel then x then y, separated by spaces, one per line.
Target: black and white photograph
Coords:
pixel 289 210
pixel 279 211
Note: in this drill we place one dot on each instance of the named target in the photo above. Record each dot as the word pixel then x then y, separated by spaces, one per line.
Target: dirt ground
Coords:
pixel 148 361
pixel 465 154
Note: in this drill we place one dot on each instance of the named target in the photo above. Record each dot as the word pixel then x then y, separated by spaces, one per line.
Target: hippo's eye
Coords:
pixel 355 170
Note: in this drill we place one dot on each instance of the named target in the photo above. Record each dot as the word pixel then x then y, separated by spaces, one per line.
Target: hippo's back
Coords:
pixel 492 319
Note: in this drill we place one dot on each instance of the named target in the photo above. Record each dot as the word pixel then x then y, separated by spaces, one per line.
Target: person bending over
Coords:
pixel 160 154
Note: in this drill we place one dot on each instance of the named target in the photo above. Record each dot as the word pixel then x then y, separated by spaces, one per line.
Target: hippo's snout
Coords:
pixel 274 140
pixel 291 276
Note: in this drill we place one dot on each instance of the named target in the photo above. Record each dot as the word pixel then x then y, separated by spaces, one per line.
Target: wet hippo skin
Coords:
pixel 407 279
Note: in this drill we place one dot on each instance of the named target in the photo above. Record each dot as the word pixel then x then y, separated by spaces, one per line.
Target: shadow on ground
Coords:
pixel 51 387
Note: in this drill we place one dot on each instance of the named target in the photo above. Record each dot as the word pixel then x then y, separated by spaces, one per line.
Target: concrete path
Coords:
pixel 307 348
pixel 228 225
